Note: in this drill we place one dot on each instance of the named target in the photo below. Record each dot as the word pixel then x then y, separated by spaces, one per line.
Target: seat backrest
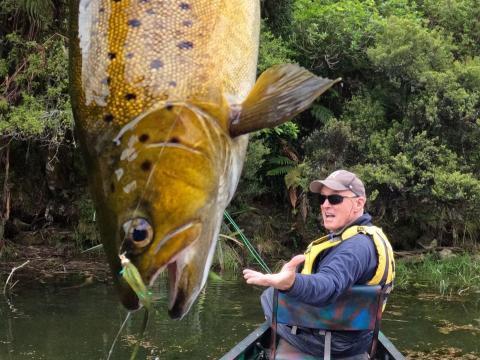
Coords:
pixel 359 308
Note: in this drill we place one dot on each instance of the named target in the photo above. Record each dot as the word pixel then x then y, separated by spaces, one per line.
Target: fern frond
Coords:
pixel 39 12
pixel 280 160
pixel 281 170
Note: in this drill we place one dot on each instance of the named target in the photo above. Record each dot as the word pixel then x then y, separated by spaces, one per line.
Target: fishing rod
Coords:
pixel 265 268
pixel 247 243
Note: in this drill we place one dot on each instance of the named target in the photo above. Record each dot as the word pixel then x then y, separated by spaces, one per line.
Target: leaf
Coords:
pixel 292 192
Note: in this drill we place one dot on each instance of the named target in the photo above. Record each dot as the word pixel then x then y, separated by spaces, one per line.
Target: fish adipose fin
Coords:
pixel 280 93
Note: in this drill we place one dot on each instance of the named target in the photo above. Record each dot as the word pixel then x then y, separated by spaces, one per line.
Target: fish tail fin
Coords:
pixel 280 93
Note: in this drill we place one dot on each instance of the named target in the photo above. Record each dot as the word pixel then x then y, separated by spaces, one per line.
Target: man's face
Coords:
pixel 336 217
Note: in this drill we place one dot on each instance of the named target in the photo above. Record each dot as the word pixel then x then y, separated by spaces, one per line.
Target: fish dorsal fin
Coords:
pixel 280 93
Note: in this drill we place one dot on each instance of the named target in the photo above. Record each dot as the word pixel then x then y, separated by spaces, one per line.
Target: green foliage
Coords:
pixel 86 233
pixel 36 105
pixel 411 129
pixel 333 34
pixel 251 183
pixel 327 148
pixel 227 256
pixel 288 131
pixel 407 117
pixel 405 51
pixel 294 173
pixel 460 18
pixel 273 50
pixel 39 12
pixel 400 8
pixel 282 165
pixel 457 274
pixel 296 177
pixel 278 15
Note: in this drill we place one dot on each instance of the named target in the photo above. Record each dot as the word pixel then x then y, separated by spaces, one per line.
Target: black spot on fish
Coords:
pixel 112 188
pixel 146 165
pixel 134 23
pixel 185 45
pixel 144 1
pixel 184 6
pixel 108 118
pixel 130 96
pixel 117 0
pixel 156 64
pixel 112 55
pixel 106 81
pixel 129 55
pixel 169 107
pixel 151 12
pixel 144 138
pixel 172 84
pixel 101 10
pixel 187 23
pixel 174 140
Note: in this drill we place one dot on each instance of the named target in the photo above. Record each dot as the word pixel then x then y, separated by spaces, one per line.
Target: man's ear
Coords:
pixel 360 203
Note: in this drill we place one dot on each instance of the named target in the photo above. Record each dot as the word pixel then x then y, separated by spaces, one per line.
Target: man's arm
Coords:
pixel 282 280
pixel 352 261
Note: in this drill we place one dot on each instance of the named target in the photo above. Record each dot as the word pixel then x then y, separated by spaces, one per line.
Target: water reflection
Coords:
pixel 426 322
pixel 51 322
pixel 54 323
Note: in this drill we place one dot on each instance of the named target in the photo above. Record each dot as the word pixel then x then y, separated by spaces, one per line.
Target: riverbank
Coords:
pixel 445 272
pixel 50 264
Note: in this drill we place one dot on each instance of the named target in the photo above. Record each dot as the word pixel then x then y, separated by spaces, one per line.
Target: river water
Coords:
pixel 54 322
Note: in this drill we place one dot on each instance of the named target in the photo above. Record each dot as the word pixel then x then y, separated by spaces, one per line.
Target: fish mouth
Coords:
pixel 172 253
pixel 181 293
pixel 178 294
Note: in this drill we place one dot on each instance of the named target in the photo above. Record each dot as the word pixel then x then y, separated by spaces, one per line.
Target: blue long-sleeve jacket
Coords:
pixel 351 262
pixel 354 261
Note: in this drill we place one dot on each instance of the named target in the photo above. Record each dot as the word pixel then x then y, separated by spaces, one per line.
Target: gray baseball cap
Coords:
pixel 340 180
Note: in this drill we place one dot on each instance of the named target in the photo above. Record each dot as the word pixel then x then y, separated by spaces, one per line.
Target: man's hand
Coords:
pixel 282 280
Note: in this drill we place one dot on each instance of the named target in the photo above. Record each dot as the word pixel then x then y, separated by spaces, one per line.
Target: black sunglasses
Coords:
pixel 334 199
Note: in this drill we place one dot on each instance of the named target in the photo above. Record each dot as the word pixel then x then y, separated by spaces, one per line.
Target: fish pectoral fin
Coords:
pixel 280 93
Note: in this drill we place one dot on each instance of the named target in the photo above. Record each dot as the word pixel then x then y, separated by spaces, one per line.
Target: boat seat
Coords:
pixel 359 308
pixel 285 351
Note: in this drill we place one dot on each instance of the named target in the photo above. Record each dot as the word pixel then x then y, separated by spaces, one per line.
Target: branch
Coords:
pixel 11 274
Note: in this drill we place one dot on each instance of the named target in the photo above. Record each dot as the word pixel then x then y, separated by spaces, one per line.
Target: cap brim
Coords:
pixel 317 185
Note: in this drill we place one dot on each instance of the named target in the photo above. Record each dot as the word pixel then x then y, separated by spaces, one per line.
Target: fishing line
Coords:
pixel 248 244
pixel 141 335
pixel 118 334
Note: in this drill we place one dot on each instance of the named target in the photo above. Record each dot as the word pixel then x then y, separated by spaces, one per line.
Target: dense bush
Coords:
pixel 406 116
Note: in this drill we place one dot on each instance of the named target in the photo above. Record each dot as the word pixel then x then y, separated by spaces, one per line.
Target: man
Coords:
pixel 332 265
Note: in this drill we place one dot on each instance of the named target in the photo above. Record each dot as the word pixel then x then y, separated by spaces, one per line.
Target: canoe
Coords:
pixel 256 342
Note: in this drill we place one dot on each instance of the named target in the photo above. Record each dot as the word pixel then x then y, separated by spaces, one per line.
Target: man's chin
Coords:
pixel 330 227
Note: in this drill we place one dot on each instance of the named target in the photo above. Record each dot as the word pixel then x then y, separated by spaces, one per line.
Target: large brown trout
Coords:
pixel 164 95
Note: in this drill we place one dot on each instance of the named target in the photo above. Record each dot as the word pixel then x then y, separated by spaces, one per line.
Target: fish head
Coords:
pixel 166 199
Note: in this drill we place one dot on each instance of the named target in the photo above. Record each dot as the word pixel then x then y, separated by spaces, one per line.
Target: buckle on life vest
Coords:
pixel 361 229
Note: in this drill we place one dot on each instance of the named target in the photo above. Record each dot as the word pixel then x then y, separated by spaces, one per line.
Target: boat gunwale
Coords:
pixel 250 340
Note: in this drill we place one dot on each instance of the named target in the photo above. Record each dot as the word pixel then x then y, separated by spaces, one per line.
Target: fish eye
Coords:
pixel 138 231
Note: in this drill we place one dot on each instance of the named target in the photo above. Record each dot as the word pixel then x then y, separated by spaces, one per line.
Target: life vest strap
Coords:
pixel 385 271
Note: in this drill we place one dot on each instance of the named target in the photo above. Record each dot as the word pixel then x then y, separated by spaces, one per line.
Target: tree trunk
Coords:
pixel 5 203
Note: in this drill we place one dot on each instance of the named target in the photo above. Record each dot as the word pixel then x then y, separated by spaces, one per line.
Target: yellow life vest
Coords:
pixel 385 272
